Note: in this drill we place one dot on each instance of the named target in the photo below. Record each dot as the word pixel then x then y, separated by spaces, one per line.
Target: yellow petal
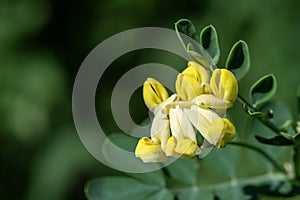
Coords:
pixel 221 132
pixel 149 151
pixel 202 74
pixel 170 147
pixel 224 85
pixel 228 133
pixel 182 148
pixel 214 133
pixel 154 93
pixel 187 147
pixel 187 87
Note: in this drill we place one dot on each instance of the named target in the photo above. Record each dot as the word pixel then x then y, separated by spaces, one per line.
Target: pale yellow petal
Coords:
pixel 160 129
pixel 200 118
pixel 181 127
pixel 210 101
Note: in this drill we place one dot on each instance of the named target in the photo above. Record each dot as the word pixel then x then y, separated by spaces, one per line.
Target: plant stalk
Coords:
pixel 266 122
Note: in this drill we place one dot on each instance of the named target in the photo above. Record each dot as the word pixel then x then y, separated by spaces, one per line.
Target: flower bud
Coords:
pixel 154 93
pixel 223 85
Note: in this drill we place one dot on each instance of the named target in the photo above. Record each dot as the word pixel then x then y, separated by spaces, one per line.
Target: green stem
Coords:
pixel 296 162
pixel 260 151
pixel 265 121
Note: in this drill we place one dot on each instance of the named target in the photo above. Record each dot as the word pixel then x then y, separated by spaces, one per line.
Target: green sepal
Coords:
pixel 209 41
pixel 238 60
pixel 263 90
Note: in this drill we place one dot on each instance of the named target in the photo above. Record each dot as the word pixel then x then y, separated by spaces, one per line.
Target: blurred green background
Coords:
pixel 43 42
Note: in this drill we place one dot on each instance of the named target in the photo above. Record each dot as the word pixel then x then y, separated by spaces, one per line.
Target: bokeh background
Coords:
pixel 43 42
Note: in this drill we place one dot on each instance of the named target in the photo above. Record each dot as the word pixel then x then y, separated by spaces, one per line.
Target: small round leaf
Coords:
pixel 209 41
pixel 186 27
pixel 263 90
pixel 238 60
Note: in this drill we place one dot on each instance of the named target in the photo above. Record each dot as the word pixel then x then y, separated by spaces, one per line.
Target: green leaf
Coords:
pixel 228 173
pixel 115 188
pixel 154 178
pixel 238 60
pixel 278 140
pixel 162 194
pixel 224 173
pixel 209 41
pixel 178 170
pixel 192 46
pixel 263 90
pixel 186 27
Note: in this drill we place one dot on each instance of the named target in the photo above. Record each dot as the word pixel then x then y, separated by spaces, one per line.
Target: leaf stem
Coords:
pixel 263 153
pixel 265 121
pixel 296 162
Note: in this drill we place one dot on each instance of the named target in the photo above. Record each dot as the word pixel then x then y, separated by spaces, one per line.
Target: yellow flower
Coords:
pixel 150 151
pixel 195 106
pixel 224 85
pixel 216 130
pixel 154 93
pixel 192 82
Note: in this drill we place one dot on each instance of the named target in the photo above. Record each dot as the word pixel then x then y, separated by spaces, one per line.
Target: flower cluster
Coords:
pixel 191 121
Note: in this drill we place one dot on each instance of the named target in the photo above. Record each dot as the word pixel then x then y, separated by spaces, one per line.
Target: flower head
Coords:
pixel 181 119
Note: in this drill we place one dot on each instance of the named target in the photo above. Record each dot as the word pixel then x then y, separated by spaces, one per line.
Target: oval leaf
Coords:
pixel 186 27
pixel 209 41
pixel 238 60
pixel 263 90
